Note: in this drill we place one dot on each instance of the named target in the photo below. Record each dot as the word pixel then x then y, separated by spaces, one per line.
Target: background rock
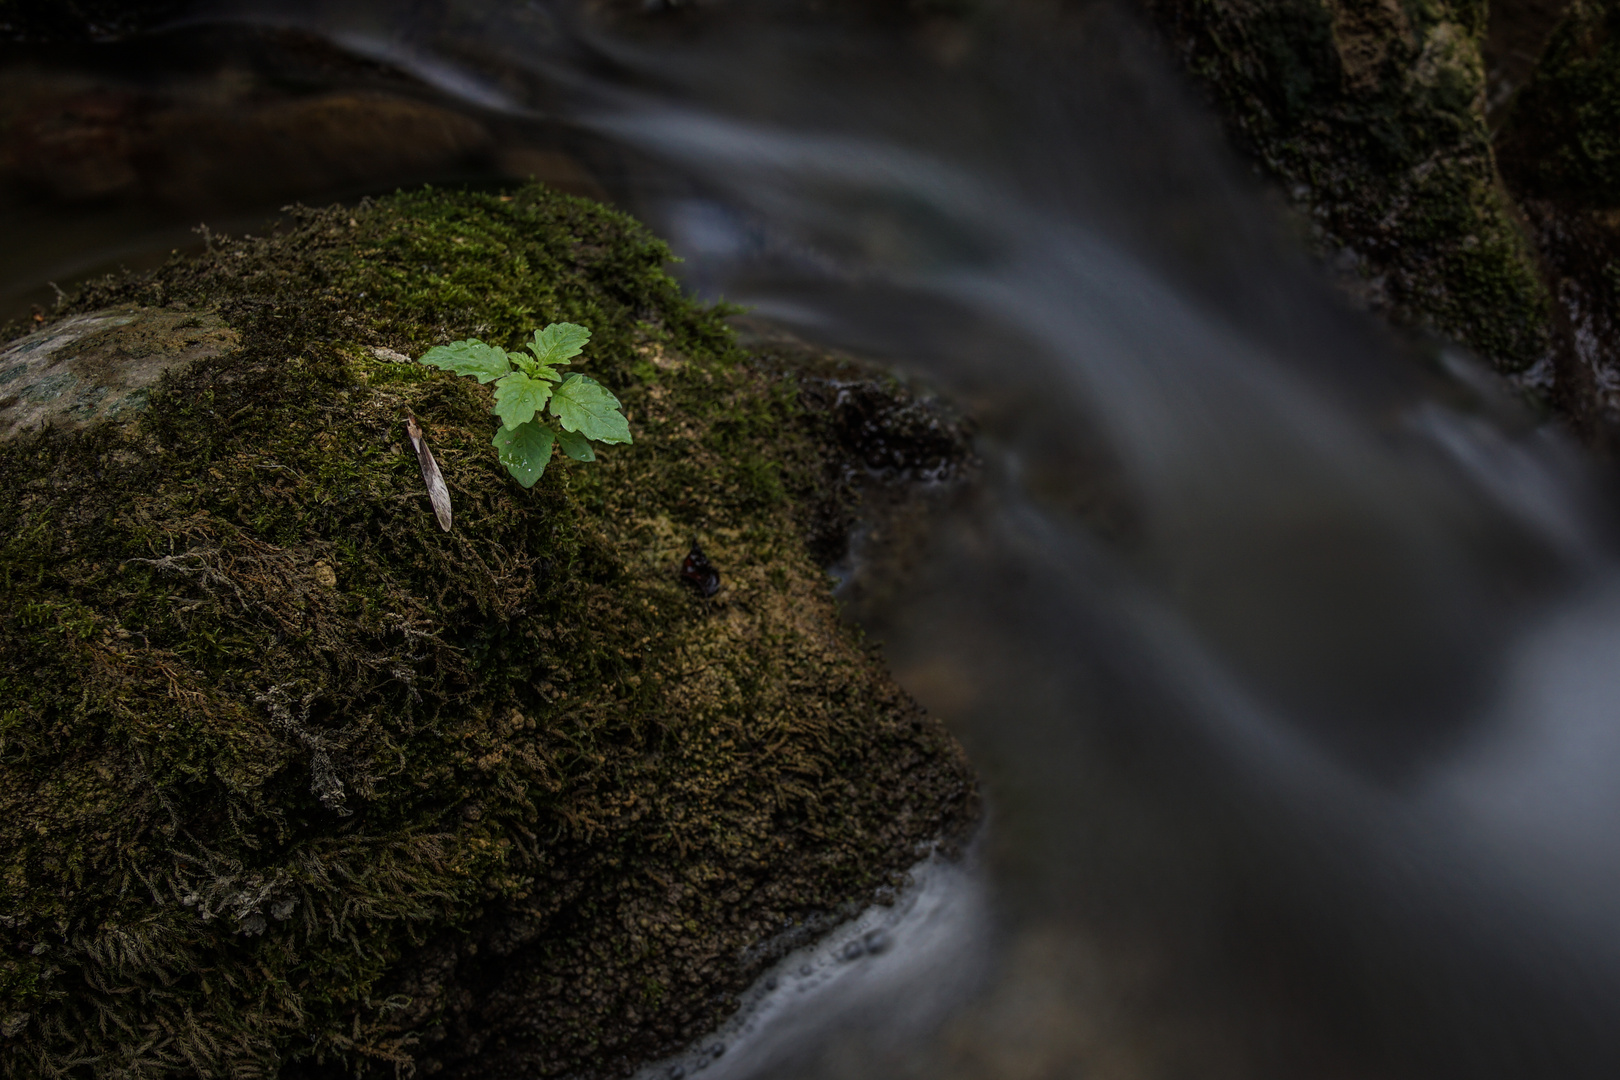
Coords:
pixel 34 21
pixel 1370 115
pixel 1560 153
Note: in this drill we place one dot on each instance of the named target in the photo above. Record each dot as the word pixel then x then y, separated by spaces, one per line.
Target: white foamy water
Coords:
pixel 903 966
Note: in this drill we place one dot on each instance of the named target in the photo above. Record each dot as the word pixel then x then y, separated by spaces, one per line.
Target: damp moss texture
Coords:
pixel 292 782
pixel 1371 115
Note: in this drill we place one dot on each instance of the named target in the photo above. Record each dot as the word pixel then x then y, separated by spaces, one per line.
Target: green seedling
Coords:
pixel 581 408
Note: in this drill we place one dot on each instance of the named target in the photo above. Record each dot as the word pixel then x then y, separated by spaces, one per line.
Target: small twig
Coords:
pixel 438 494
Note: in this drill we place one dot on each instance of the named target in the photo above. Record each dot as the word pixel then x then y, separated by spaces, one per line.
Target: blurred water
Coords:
pixel 1290 651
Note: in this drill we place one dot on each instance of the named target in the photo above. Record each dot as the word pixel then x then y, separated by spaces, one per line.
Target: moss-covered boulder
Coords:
pixel 292 781
pixel 1370 114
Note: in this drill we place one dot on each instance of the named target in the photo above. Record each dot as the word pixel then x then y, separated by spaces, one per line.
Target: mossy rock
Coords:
pixel 292 781
pixel 1371 115
pixel 1562 138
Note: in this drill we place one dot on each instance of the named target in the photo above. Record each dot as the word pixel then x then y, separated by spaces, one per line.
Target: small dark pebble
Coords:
pixel 676 1072
pixel 876 941
pixel 717 1049
pixel 805 970
pixel 699 573
pixel 854 950
pixel 770 983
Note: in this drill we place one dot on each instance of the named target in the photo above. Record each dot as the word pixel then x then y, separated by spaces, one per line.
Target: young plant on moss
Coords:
pixel 582 410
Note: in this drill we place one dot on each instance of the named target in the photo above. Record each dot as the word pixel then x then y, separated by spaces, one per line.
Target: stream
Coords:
pixel 1289 649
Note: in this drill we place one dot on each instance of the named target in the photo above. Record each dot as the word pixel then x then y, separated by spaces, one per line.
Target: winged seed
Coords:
pixel 438 493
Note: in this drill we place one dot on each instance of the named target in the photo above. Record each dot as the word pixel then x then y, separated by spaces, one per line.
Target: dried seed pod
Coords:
pixel 438 494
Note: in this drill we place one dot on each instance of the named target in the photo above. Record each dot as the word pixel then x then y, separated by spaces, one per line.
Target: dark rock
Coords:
pixel 1370 117
pixel 40 21
pixel 1560 154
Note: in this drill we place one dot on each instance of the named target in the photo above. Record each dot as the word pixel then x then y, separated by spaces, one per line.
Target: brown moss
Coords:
pixel 290 778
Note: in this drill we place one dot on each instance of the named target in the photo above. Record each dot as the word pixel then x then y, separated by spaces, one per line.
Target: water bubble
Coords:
pixel 877 941
pixel 853 951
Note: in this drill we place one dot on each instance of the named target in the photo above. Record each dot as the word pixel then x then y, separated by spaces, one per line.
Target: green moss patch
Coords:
pixel 292 781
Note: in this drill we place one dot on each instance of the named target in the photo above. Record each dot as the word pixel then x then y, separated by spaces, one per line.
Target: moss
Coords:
pixel 290 780
pixel 1562 138
pixel 1372 116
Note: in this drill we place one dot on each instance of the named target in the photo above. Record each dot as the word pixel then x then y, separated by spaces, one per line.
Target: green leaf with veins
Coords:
pixel 576 446
pixel 525 450
pixel 534 368
pixel 525 384
pixel 585 406
pixel 483 362
pixel 518 398
pixel 522 361
pixel 559 341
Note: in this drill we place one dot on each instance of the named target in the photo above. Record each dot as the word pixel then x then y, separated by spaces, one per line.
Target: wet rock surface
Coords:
pixel 894 457
pixel 121 148
pixel 1370 116
pixel 100 367
pixel 1457 162
pixel 1516 33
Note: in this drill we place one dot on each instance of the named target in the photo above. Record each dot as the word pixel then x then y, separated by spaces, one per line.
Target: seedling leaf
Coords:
pixel 522 361
pixel 584 405
pixel 525 450
pixel 483 362
pixel 581 407
pixel 559 341
pixel 576 446
pixel 518 398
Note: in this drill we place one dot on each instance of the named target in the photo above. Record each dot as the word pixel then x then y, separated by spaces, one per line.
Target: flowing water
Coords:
pixel 1289 650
